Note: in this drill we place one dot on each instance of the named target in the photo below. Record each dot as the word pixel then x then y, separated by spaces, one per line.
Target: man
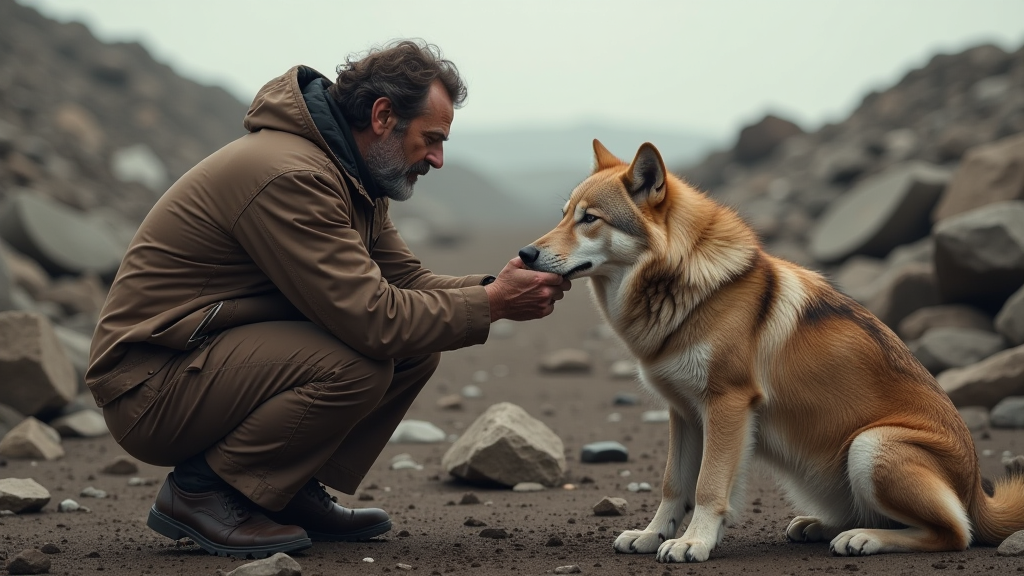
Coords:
pixel 268 328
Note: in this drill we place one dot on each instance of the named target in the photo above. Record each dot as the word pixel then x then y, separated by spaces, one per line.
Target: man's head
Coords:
pixel 400 100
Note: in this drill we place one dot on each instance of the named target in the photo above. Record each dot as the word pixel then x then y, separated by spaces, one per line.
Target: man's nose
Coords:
pixel 435 158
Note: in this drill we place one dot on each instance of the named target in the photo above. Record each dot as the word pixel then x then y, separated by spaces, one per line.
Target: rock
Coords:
pixel 31 439
pixel 76 348
pixel 137 481
pixel 495 533
pixel 84 423
pixel 988 381
pixel 62 240
pixel 975 417
pixel 417 431
pixel 69 505
pixel 554 541
pixel 1008 413
pixel 81 125
pixel 910 288
pixel 614 417
pixel 623 370
pixel 570 569
pixel 29 562
pixel 474 523
pixel 469 498
pixel 37 375
pixel 6 286
pixel 625 399
pixel 607 451
pixel 90 492
pixel 25 272
pixel 915 324
pixel 50 548
pixel 654 416
pixel 638 487
pixel 401 566
pixel 857 277
pixel 1010 319
pixel 450 402
pixel 979 255
pixel 79 295
pixel 760 140
pixel 566 360
pixel 120 466
pixel 528 487
pixel 1013 545
pixel 279 564
pixel 610 507
pixel 881 212
pixel 9 418
pixel 987 174
pixel 138 163
pixel 406 465
pixel 507 446
pixel 943 348
pixel 471 391
pixel 20 495
pixel 842 163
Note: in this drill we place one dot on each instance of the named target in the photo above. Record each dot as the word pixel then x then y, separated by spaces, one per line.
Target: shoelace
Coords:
pixel 317 490
pixel 236 505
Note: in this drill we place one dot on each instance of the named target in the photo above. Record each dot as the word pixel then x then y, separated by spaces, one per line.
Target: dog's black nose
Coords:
pixel 529 254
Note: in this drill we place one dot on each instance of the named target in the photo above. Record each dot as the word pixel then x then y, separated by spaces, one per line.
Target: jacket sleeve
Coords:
pixel 401 267
pixel 298 230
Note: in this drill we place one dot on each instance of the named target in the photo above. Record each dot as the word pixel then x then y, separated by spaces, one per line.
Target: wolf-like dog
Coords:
pixel 760 358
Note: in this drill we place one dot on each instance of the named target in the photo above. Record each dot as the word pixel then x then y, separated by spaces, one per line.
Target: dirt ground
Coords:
pixel 429 532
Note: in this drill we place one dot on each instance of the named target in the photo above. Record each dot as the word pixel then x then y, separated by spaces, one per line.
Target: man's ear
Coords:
pixel 645 178
pixel 382 116
pixel 603 158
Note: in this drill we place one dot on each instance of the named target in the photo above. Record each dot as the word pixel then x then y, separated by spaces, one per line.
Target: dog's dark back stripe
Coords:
pixel 770 291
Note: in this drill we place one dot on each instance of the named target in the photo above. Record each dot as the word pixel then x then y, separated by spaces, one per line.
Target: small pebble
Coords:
pixel 987 452
pixel 365 497
pixel 121 466
pixel 495 533
pixel 654 416
pixel 368 560
pixel 528 487
pixel 573 569
pixel 606 451
pixel 623 369
pixel 610 507
pixel 136 481
pixel 90 492
pixel 614 417
pixel 625 473
pixel 50 548
pixel 568 486
pixel 554 541
pixel 401 566
pixel 624 399
pixel 404 534
pixel 480 376
pixel 469 498
pixel 450 402
pixel 474 523
pixel 472 391
pixel 70 505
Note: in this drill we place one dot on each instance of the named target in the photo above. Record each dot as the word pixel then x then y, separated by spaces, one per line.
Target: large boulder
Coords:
pixel 906 290
pixel 37 375
pixel 25 272
pixel 943 348
pixel 979 255
pixel 1010 319
pixel 881 212
pixel 505 445
pixel 59 238
pixel 989 173
pixel 760 140
pixel 943 316
pixel 987 382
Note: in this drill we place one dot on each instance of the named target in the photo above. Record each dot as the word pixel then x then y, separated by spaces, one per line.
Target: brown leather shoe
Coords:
pixel 315 510
pixel 222 523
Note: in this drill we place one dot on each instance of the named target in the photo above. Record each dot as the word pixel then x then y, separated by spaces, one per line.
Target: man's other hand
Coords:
pixel 519 293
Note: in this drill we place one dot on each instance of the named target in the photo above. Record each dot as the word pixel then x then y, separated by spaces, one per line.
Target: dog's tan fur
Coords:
pixel 758 357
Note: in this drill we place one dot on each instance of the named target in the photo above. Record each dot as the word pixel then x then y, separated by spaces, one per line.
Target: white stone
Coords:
pixel 471 391
pixel 528 487
pixel 90 492
pixel 138 163
pixel 654 416
pixel 69 505
pixel 84 423
pixel 508 446
pixel 623 369
pixel 417 431
pixel 22 495
pixel 614 417
pixel 279 564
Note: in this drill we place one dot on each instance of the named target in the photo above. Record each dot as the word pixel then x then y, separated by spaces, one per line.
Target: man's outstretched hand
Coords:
pixel 519 293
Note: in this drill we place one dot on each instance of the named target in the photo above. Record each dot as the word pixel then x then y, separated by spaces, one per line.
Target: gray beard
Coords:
pixel 386 162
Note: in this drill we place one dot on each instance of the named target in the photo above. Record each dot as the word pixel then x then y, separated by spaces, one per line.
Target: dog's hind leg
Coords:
pixel 895 478
pixel 678 486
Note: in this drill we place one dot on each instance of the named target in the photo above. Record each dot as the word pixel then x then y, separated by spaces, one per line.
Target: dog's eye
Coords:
pixel 588 218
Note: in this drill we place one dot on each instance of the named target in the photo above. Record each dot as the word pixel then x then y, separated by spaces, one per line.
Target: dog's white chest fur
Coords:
pixel 682 374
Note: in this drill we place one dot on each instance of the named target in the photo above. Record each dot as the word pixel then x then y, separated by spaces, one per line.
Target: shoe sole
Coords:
pixel 364 534
pixel 175 530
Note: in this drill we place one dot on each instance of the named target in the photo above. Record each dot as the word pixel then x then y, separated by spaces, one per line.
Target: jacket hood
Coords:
pixel 297 102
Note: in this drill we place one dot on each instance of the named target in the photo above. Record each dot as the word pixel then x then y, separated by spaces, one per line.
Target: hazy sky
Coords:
pixel 707 66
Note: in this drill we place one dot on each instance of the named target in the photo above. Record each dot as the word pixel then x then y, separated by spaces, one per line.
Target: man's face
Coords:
pixel 411 148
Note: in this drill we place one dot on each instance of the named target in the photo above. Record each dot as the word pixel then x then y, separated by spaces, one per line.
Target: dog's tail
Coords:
pixel 999 511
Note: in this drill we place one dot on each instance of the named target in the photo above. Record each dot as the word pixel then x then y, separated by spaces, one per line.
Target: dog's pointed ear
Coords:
pixel 603 158
pixel 645 179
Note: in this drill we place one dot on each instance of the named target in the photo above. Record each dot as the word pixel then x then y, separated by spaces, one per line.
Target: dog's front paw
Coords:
pixel 684 550
pixel 638 541
pixel 857 542
pixel 805 529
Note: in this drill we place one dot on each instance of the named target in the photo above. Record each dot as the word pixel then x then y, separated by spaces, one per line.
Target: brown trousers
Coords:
pixel 272 405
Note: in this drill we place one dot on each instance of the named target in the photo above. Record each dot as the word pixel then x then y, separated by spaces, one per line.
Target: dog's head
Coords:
pixel 609 219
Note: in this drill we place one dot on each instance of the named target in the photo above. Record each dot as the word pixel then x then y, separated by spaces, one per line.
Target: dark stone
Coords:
pixel 607 451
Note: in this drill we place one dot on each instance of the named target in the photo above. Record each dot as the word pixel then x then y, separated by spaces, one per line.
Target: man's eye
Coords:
pixel 588 218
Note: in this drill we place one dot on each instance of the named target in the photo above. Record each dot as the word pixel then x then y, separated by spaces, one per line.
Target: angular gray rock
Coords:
pixel 279 564
pixel 943 348
pixel 609 506
pixel 987 174
pixel 858 275
pixel 84 424
pixel 975 417
pixel 943 316
pixel 910 288
pixel 1010 319
pixel 32 439
pixel 1013 545
pixel 566 360
pixel 9 418
pixel 25 272
pixel 37 374
pixel 20 495
pixel 759 140
pixel 28 562
pixel 507 446
pixel 120 466
pixel 1009 413
pixel 979 255
pixel 988 381
pixel 881 212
